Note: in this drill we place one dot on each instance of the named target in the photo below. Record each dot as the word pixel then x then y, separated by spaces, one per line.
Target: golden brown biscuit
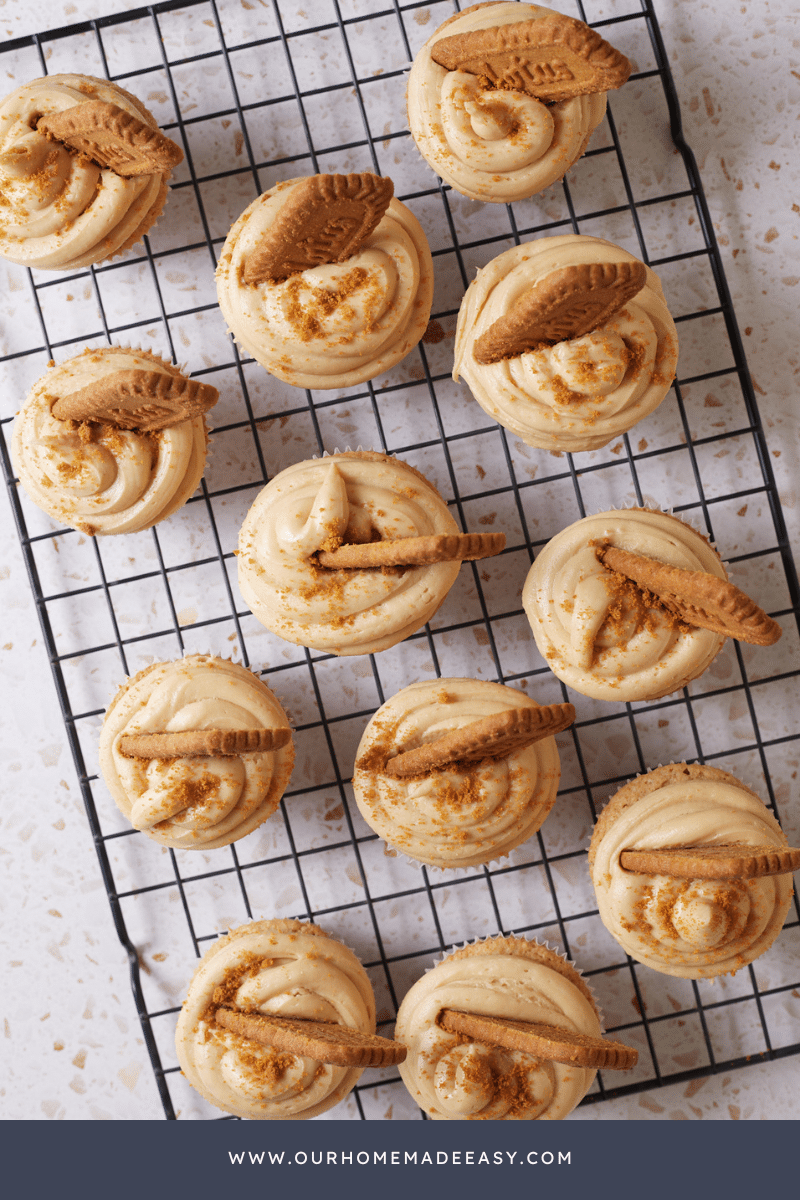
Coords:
pixel 699 599
pixel 546 1042
pixel 323 1041
pixel 113 138
pixel 135 399
pixel 415 551
pixel 711 862
pixel 192 743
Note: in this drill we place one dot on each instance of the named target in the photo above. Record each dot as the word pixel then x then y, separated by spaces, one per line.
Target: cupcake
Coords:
pixel 633 604
pixel 283 968
pixel 503 98
pixel 471 803
pixel 83 172
pixel 112 441
pixel 575 379
pixel 695 926
pixel 327 281
pixel 375 504
pixel 509 979
pixel 196 753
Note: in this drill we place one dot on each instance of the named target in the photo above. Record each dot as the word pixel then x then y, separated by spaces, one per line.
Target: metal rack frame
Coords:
pixel 575 471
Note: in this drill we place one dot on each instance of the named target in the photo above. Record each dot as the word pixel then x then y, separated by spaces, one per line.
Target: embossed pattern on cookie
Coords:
pixel 554 58
pixel 567 303
pixel 142 400
pixel 195 743
pixel 325 219
pixel 323 1041
pixel 712 862
pixel 113 138
pixel 698 598
pixel 494 736
pixel 546 1042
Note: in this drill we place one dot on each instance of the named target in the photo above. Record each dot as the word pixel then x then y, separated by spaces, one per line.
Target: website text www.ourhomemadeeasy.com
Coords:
pixel 399 1158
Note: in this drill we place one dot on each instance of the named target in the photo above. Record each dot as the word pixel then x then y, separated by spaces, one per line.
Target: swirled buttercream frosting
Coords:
pixel 336 324
pixel 512 978
pixel 95 477
pixel 203 801
pixel 281 968
pixel 693 928
pixel 357 496
pixel 597 631
pixel 58 209
pixel 467 812
pixel 580 393
pixel 490 143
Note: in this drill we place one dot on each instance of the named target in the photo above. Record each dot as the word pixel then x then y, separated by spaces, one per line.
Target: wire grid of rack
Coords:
pixel 288 92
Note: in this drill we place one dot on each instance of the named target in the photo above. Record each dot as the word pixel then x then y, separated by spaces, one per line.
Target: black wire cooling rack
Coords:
pixel 287 92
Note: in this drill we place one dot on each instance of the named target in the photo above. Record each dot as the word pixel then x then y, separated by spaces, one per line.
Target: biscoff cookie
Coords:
pixel 130 456
pixel 276 969
pixel 601 634
pixel 224 752
pixel 324 1041
pixel 513 979
pixel 359 498
pixel 415 551
pixel 494 105
pixel 694 928
pixel 318 292
pixel 566 341
pixel 546 1042
pixel 460 812
pixel 67 204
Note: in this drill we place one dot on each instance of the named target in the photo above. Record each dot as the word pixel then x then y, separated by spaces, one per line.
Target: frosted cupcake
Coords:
pixel 196 753
pixel 83 172
pixel 327 281
pixel 458 1078
pixel 283 968
pixel 477 802
pixel 709 918
pixel 633 604
pixel 112 441
pixel 293 570
pixel 503 98
pixel 556 384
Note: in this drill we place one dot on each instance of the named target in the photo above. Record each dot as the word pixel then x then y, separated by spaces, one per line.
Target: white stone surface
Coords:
pixel 75 1044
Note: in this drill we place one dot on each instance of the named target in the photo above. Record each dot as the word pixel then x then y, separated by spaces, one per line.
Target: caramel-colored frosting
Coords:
pixel 286 968
pixel 591 637
pixel 700 928
pixel 488 143
pixel 454 1080
pixel 466 813
pixel 59 210
pixel 352 497
pixel 98 478
pixel 580 393
pixel 195 803
pixel 337 324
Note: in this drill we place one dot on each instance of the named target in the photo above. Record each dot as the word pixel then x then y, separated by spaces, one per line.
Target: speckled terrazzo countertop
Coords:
pixel 75 1045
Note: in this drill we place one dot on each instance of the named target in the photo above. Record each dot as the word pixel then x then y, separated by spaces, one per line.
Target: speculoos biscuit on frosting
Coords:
pixel 460 813
pixel 211 783
pixel 505 138
pixel 61 209
pixel 694 928
pixel 566 391
pixel 310 316
pixel 599 633
pixel 352 497
pixel 91 473
pixel 455 1079
pixel 283 968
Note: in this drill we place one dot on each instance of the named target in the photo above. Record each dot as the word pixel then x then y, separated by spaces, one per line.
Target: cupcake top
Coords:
pixel 507 977
pixel 692 928
pixel 92 474
pixel 206 799
pixel 467 812
pixel 580 392
pixel 496 143
pixel 283 967
pixel 596 632
pixel 333 324
pixel 355 496
pixel 62 211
